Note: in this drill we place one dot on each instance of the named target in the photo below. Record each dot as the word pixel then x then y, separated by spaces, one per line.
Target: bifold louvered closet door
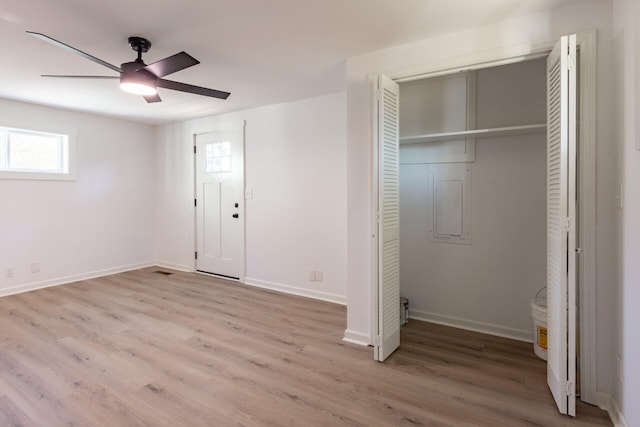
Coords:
pixel 388 339
pixel 561 223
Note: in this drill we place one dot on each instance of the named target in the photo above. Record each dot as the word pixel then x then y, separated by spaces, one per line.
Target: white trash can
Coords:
pixel 539 314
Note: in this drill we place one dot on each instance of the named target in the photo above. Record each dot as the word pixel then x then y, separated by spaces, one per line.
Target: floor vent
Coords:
pixel 164 273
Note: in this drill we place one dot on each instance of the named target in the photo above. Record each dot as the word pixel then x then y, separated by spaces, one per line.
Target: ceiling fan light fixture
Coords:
pixel 137 88
pixel 137 81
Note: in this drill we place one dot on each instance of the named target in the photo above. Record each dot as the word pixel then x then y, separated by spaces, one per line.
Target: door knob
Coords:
pixel 235 215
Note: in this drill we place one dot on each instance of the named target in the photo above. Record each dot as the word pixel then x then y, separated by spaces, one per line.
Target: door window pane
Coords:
pixel 217 157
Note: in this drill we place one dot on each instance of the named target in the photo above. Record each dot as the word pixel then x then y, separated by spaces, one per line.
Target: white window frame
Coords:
pixel 69 157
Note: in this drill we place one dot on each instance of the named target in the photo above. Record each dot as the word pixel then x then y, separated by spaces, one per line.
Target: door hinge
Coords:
pixel 572 62
pixel 195 202
pixel 195 149
pixel 196 254
pixel 569 224
pixel 377 94
pixel 568 389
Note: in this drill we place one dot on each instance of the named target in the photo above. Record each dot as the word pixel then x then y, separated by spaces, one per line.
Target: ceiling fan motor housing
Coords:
pixel 133 72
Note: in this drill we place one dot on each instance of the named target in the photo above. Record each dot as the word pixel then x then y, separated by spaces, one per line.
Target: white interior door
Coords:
pixel 219 159
pixel 561 219
pixel 388 216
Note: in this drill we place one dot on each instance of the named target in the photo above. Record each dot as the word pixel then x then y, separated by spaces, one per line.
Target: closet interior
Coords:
pixel 473 197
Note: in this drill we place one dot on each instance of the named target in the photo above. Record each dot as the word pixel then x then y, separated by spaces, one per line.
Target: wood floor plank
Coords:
pixel 147 349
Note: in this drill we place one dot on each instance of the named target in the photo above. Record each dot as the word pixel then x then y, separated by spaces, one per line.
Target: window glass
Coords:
pixel 35 152
pixel 28 154
pixel 217 157
pixel 3 149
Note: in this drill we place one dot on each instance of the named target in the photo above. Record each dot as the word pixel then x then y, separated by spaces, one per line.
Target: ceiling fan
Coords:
pixel 139 78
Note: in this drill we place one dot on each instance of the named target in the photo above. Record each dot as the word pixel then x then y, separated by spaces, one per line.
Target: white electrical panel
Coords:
pixel 449 203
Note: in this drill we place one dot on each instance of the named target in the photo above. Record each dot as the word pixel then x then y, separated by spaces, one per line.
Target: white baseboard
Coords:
pixel 173 266
pixel 472 325
pixel 617 417
pixel 74 278
pixel 294 290
pixel 610 405
pixel 355 337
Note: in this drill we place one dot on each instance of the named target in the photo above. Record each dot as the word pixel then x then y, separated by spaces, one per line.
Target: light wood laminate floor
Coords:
pixel 146 349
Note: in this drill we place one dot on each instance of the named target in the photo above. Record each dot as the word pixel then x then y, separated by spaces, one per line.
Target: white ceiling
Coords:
pixel 262 51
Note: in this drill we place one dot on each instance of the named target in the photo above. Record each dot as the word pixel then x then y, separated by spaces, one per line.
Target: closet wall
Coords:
pixel 486 285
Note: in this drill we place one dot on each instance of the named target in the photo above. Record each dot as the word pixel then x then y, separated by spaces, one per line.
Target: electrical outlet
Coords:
pixel 9 272
pixel 34 267
pixel 620 370
pixel 618 197
pixel 315 275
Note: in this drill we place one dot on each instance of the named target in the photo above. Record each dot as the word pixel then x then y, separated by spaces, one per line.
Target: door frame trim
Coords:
pixel 232 125
pixel 587 184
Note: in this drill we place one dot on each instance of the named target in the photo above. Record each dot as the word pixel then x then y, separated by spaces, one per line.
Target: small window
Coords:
pixel 26 154
pixel 217 157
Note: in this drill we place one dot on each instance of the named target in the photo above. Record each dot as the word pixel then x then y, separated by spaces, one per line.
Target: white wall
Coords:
pixel 97 224
pixel 295 164
pixel 514 37
pixel 627 43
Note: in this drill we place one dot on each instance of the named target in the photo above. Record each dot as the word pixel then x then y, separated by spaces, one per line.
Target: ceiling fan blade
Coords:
pixel 74 50
pixel 64 76
pixel 198 90
pixel 171 64
pixel 152 98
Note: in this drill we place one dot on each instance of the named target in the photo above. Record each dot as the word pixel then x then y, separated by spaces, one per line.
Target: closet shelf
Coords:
pixel 448 136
